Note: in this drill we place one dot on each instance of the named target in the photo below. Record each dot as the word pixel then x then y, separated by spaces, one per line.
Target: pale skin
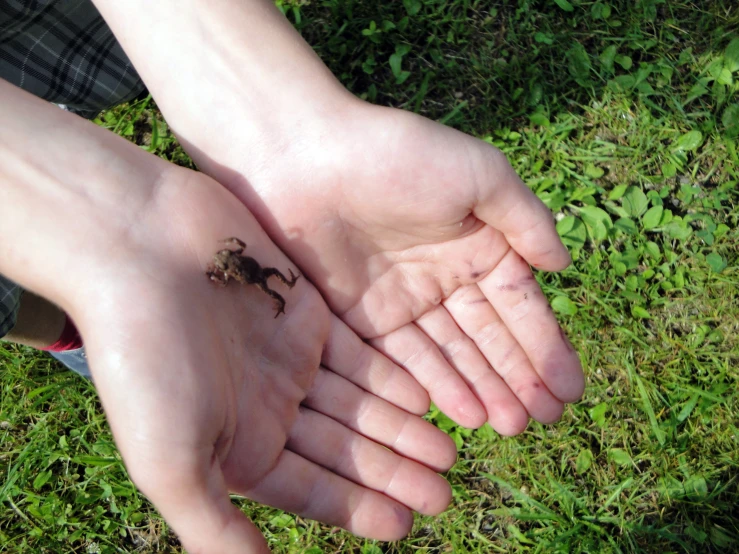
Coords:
pixel 205 391
pixel 416 235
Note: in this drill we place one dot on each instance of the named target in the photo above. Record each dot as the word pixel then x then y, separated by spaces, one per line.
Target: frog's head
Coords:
pixel 221 259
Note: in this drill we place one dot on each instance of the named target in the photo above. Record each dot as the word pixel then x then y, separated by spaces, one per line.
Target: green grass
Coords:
pixel 623 117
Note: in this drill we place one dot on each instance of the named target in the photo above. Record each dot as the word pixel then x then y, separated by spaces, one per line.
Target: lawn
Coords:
pixel 623 117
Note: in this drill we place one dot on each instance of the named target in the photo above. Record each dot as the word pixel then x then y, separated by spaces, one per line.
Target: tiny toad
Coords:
pixel 231 264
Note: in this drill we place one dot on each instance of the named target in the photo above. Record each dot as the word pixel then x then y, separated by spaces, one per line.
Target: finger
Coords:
pixel 507 204
pixel 517 298
pixel 505 412
pixel 409 347
pixel 477 318
pixel 193 499
pixel 347 355
pixel 328 443
pixel 299 486
pixel 380 421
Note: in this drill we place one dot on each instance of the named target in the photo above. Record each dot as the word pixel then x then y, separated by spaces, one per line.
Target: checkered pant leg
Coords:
pixel 63 51
pixel 10 295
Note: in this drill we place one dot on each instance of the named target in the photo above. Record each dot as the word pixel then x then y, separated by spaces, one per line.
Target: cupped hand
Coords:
pixel 208 393
pixel 420 237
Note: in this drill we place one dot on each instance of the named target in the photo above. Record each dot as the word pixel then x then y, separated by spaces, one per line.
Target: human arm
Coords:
pixel 417 235
pixel 206 392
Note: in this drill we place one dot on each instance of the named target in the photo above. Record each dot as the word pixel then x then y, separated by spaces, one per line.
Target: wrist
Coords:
pixel 221 68
pixel 69 194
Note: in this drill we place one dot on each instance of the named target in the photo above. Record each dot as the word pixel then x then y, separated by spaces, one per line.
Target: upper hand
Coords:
pixel 420 237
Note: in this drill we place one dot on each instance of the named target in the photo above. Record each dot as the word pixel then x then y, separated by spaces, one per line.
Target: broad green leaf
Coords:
pixel 598 414
pixel 652 217
pixel 635 202
pixel 721 230
pixel 698 90
pixel 584 460
pixel 395 63
pixel 412 6
pixel 730 120
pixel 572 231
pixel 608 57
pixel 669 170
pixel 626 225
pixel 716 261
pixel 619 456
pixel 624 61
pixel 706 236
pixel 579 62
pixel 565 5
pixel 688 142
pixel 400 79
pixel 640 313
pixel 41 479
pixel 617 192
pixel 696 486
pixel 563 305
pixel 645 88
pixel 731 55
pixel 653 250
pixel 725 78
pixel 599 10
pixel 696 533
pixel 282 520
pixel 678 280
pixel 543 38
pixel 597 220
pixel 678 229
pixel 632 283
pixel 540 119
pixel 594 172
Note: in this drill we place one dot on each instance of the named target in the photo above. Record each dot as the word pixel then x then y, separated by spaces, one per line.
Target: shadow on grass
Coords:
pixel 481 65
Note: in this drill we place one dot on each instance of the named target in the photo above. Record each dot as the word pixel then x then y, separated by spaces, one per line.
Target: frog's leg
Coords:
pixel 240 243
pixel 279 301
pixel 270 271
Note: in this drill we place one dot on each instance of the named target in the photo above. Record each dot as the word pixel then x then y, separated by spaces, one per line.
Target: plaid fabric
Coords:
pixel 10 295
pixel 62 51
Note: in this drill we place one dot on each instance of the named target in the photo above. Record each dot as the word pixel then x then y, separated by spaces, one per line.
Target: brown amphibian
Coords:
pixel 231 264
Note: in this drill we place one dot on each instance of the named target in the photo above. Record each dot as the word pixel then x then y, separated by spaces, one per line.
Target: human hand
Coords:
pixel 418 235
pixel 207 393
pixel 205 390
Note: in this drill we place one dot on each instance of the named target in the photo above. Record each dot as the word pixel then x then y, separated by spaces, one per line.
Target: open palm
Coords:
pixel 420 238
pixel 208 393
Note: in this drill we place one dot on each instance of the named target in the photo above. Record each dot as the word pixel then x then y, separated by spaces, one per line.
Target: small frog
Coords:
pixel 230 264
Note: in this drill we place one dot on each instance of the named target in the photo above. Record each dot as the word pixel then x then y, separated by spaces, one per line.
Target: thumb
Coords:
pixel 196 504
pixel 507 204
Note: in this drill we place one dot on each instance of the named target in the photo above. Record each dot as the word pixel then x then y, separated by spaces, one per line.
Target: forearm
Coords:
pixel 68 190
pixel 197 55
